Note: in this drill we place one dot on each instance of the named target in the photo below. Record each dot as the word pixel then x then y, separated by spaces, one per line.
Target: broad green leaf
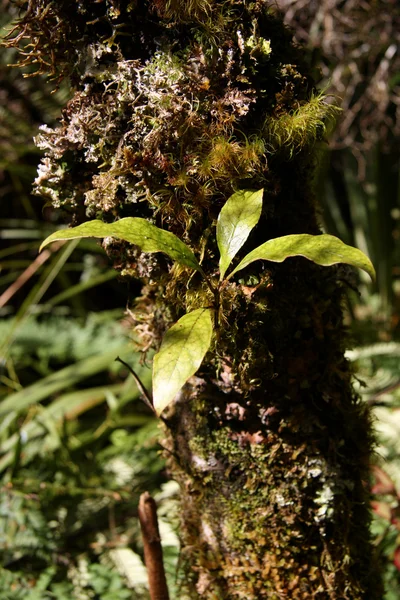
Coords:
pixel 237 218
pixel 322 249
pixel 182 351
pixel 135 230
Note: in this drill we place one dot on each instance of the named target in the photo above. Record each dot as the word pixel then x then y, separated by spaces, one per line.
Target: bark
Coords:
pixel 273 482
pixel 177 105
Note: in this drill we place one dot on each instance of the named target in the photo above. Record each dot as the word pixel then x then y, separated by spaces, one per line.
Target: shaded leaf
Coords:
pixel 182 351
pixel 131 566
pixel 322 249
pixel 237 218
pixel 135 230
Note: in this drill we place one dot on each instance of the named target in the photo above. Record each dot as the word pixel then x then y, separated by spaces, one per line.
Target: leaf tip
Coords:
pixel 372 273
pixel 43 245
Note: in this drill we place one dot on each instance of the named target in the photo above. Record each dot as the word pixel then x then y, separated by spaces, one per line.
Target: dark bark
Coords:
pixel 274 482
pixel 177 105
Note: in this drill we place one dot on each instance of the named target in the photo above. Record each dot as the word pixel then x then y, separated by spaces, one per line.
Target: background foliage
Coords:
pixel 77 447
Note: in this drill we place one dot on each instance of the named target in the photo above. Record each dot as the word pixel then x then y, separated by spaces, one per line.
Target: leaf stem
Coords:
pixel 214 290
pixel 207 280
pixel 146 397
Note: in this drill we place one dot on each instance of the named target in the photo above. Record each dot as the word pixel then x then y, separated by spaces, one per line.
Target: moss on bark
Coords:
pixel 178 104
pixel 273 480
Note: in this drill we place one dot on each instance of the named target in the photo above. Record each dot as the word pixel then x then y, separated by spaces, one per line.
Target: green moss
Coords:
pixel 300 129
pixel 185 10
pixel 252 481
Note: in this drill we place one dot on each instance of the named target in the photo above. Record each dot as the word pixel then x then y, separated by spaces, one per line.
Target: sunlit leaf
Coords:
pixel 322 249
pixel 237 218
pixel 135 230
pixel 182 351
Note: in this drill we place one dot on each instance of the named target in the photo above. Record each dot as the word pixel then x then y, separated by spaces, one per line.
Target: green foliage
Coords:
pixel 137 231
pixel 324 250
pixel 60 339
pixel 76 450
pixel 237 219
pixel 377 368
pixel 58 508
pixel 181 354
pixel 187 342
pixel 73 504
pixel 360 205
pixel 239 215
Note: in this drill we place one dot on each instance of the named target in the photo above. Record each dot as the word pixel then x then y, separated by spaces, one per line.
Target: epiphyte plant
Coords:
pixel 187 103
pixel 186 343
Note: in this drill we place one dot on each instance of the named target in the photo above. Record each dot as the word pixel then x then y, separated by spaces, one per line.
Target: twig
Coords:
pixel 147 399
pixel 24 277
pixel 28 273
pixel 153 555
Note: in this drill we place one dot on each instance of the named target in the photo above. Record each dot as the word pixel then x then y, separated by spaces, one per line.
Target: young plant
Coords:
pixel 186 343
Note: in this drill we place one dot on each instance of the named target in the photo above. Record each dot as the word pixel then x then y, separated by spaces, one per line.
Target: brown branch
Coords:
pixel 28 273
pixel 153 555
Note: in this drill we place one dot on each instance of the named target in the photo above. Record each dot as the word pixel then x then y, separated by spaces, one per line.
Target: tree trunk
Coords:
pixel 274 503
pixel 178 104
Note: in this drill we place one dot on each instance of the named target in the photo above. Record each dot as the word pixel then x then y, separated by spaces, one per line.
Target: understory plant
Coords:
pixel 192 137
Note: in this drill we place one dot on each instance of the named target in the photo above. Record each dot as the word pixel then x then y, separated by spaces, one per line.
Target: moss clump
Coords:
pixel 168 120
pixel 300 129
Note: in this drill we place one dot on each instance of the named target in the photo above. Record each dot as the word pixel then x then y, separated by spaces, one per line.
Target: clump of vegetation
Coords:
pixel 168 134
pixel 176 108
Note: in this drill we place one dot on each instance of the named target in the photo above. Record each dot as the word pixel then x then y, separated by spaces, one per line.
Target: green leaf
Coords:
pixel 237 218
pixel 322 249
pixel 135 230
pixel 181 354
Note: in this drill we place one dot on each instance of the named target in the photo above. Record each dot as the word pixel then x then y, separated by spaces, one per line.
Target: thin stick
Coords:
pixel 153 555
pixel 145 394
pixel 24 277
pixel 28 273
pixel 146 397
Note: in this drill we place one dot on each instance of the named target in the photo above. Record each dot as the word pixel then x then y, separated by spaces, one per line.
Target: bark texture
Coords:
pixel 273 482
pixel 177 105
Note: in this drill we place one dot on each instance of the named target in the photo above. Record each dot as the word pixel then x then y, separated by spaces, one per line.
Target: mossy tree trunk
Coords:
pixel 178 104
